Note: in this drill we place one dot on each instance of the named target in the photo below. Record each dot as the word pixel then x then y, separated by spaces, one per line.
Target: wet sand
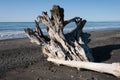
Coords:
pixel 22 60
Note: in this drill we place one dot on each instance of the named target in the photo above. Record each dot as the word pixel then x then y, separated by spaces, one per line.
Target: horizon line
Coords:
pixel 87 21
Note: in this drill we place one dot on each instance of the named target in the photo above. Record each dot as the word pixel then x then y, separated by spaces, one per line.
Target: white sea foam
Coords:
pixel 97 28
pixel 12 35
pixel 100 28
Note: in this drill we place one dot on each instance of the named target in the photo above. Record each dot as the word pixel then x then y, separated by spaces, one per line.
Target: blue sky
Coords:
pixel 28 10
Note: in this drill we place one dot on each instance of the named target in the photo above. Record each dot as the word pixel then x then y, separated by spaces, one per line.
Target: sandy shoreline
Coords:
pixel 21 60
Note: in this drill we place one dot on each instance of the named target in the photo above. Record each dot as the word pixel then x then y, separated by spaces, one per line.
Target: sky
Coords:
pixel 28 10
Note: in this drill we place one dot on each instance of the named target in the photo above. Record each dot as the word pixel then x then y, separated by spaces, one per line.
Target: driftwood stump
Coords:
pixel 68 49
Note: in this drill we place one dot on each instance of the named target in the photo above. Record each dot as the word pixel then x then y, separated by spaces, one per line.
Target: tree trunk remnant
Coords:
pixel 68 49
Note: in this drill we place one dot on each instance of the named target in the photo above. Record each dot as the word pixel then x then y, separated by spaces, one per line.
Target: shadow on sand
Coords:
pixel 103 53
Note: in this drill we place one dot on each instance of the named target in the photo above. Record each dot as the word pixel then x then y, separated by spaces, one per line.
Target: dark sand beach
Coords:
pixel 22 60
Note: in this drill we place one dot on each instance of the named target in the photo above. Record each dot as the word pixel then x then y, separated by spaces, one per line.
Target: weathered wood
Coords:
pixel 63 48
pixel 113 68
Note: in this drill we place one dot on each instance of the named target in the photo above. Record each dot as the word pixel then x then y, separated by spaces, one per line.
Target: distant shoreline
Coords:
pixel 12 30
pixel 83 31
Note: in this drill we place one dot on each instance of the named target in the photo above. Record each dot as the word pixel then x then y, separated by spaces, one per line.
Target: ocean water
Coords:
pixel 11 30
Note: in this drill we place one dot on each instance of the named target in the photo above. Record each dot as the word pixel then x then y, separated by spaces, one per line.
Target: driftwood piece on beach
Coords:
pixel 68 49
